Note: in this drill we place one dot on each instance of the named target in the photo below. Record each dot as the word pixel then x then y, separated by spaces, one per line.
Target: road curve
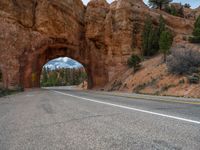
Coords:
pixel 86 120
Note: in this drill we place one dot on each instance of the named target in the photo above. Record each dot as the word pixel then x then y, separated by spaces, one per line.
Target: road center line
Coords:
pixel 131 108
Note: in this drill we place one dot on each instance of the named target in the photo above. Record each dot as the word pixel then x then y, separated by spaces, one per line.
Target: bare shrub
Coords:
pixel 183 61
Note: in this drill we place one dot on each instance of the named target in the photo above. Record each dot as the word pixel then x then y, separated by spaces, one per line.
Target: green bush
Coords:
pixel 196 32
pixel 134 62
pixel 194 39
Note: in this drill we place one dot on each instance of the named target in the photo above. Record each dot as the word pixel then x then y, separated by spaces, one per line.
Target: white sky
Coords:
pixel 193 3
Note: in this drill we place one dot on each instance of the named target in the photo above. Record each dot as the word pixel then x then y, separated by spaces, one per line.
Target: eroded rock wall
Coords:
pixel 113 32
pixel 101 36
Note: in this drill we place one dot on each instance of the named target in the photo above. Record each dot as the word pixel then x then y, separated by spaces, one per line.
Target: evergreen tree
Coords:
pixel 159 3
pixel 187 5
pixel 152 42
pixel 196 32
pixel 181 12
pixel 161 26
pixel 175 11
pixel 53 78
pixel 44 75
pixel 146 34
pixel 151 36
pixel 63 77
pixel 165 43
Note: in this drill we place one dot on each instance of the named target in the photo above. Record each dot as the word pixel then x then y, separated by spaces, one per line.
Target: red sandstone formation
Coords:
pixel 35 31
pixel 101 36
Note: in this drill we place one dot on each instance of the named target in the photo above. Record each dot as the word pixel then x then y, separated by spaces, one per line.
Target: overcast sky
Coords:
pixel 193 3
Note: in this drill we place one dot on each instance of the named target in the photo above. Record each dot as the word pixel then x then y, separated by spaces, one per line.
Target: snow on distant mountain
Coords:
pixel 63 62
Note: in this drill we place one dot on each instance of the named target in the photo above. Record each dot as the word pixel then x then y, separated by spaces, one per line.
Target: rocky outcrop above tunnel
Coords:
pixel 46 16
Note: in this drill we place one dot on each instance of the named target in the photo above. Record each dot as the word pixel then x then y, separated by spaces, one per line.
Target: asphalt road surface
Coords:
pixel 86 120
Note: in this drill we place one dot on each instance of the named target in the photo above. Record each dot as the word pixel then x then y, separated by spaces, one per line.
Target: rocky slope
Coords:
pixel 123 25
pixel 116 34
pixel 154 78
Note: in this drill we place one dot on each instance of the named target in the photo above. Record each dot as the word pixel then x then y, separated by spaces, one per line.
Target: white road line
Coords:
pixel 131 108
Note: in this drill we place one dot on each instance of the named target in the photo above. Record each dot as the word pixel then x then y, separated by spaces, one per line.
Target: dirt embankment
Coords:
pixel 154 78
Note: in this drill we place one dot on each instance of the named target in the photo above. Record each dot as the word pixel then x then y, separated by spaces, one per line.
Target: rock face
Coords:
pixel 113 32
pixel 101 36
pixel 35 31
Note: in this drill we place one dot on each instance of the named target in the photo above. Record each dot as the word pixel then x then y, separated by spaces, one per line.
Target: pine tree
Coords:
pixel 187 5
pixel 151 36
pixel 196 32
pixel 146 34
pixel 62 77
pixel 165 43
pixel 159 3
pixel 45 76
pixel 161 27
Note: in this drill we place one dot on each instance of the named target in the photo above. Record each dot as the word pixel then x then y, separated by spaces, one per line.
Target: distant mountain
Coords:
pixel 62 63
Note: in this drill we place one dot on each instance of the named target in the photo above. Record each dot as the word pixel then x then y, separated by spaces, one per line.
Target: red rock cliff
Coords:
pixel 101 36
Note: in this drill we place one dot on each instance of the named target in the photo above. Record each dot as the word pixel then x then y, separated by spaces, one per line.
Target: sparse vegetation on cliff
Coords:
pixel 196 32
pixel 156 38
pixel 174 11
pixel 159 3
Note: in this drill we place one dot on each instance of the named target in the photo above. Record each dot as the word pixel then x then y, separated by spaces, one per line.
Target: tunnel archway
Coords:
pixel 32 61
pixel 63 71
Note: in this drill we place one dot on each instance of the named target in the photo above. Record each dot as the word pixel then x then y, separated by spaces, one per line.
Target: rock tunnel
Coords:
pixel 33 32
pixel 32 64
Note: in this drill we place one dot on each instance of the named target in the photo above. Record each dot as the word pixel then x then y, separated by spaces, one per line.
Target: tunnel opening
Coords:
pixel 31 65
pixel 65 72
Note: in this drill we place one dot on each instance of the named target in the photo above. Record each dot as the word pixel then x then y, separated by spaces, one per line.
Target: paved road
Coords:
pixel 78 120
